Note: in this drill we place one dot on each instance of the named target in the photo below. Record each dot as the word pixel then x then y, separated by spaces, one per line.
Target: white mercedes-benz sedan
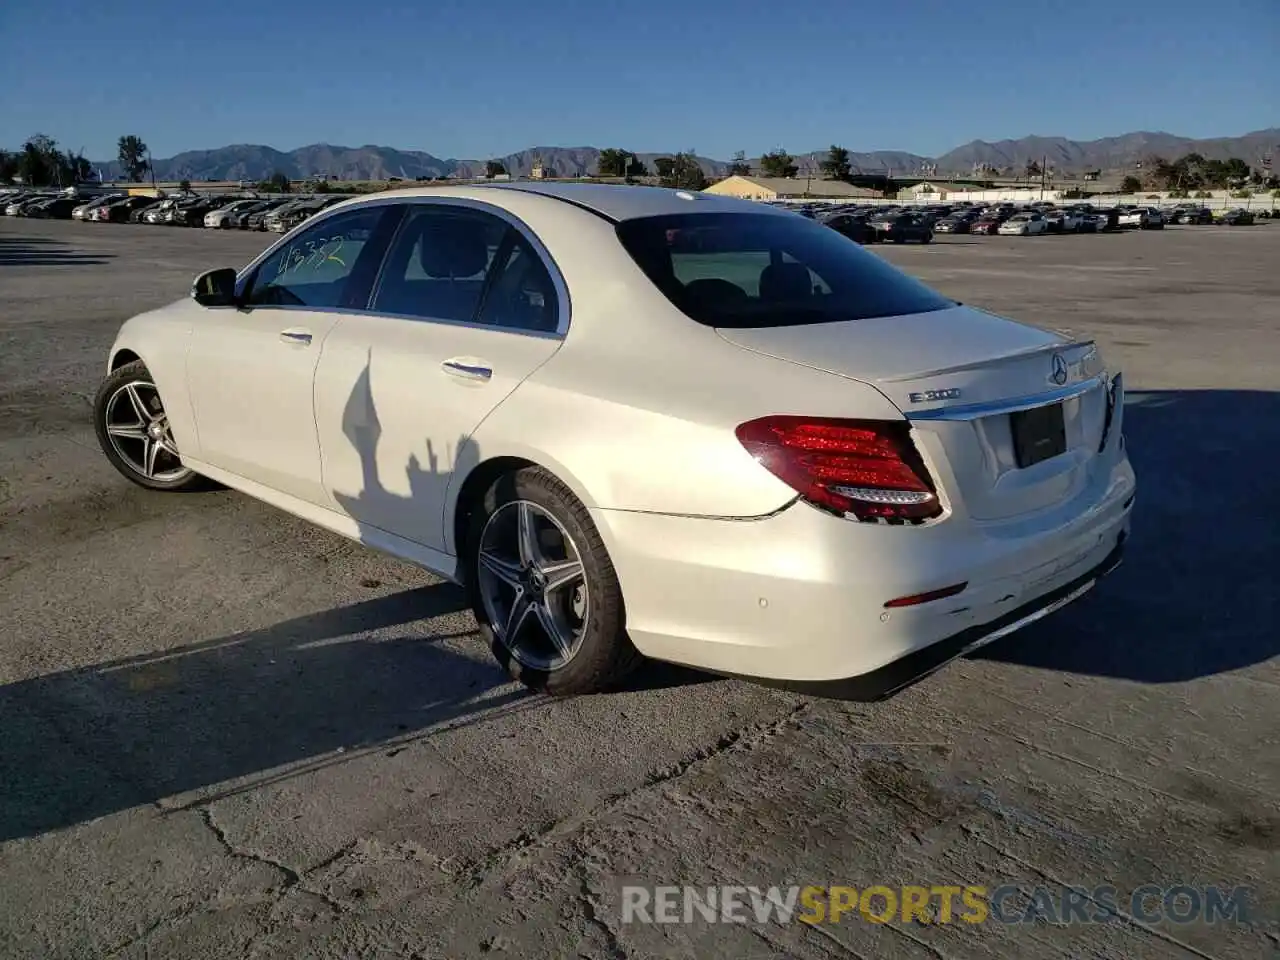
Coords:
pixel 634 421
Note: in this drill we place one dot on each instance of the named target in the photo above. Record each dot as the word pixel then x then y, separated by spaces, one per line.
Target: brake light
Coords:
pixel 868 468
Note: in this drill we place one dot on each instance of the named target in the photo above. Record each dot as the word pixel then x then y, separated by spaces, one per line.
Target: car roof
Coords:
pixel 613 202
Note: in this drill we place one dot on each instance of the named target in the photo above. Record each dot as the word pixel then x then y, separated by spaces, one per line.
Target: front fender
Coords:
pixel 160 338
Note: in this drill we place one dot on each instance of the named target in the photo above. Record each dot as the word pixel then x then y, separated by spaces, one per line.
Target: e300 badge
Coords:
pixel 928 395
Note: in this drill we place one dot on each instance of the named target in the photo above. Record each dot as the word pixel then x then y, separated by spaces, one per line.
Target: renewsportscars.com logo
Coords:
pixel 1009 903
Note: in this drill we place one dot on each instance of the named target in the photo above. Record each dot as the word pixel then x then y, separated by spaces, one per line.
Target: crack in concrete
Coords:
pixel 151 928
pixel 1133 922
pixel 596 919
pixel 292 878
pixel 505 857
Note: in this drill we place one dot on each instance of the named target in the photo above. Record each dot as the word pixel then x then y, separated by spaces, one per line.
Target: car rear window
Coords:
pixel 738 270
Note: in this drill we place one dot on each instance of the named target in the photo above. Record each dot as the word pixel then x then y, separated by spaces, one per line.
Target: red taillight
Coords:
pixel 867 468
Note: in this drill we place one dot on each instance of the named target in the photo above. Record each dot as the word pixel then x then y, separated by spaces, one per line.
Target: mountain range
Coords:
pixel 1110 154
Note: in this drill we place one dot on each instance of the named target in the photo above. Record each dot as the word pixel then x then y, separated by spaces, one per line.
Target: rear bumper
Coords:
pixel 800 596
pixel 892 677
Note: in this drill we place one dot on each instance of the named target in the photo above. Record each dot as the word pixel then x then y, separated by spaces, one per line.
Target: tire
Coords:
pixel 927 238
pixel 125 453
pixel 603 653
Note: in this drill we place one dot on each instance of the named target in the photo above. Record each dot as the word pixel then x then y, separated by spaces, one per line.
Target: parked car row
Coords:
pixel 278 214
pixel 901 224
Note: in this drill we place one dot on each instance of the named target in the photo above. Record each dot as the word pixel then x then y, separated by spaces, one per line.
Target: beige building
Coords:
pixel 789 188
pixel 935 190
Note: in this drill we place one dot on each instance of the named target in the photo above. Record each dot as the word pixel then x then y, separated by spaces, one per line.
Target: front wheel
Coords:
pixel 543 588
pixel 134 432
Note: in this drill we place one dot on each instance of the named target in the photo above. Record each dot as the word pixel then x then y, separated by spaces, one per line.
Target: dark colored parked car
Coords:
pixel 856 228
pixel 58 208
pixel 122 210
pixel 902 227
pixel 282 221
pixel 260 210
pixel 1196 215
pixel 956 223
pixel 1237 218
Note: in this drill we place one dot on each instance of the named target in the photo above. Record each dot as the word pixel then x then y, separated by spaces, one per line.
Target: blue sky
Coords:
pixel 478 79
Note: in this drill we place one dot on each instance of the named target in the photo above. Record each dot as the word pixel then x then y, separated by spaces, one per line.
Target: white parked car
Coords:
pixel 82 212
pixel 1023 225
pixel 641 421
pixel 1144 218
pixel 222 218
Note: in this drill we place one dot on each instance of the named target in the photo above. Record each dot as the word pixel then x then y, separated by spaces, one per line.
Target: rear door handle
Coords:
pixel 467 370
pixel 296 336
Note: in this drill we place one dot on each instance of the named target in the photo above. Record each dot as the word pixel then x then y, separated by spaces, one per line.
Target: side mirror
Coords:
pixel 217 288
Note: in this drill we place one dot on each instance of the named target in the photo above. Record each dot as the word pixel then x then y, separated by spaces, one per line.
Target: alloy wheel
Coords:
pixel 140 432
pixel 533 585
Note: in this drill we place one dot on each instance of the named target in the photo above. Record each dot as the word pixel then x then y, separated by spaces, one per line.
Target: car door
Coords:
pixel 466 307
pixel 250 369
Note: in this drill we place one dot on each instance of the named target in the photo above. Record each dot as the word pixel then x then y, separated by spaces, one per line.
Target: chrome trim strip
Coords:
pixel 976 411
pixel 1016 355
pixel 1032 617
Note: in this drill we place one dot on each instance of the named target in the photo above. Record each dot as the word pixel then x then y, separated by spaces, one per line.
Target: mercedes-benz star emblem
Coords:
pixel 1059 369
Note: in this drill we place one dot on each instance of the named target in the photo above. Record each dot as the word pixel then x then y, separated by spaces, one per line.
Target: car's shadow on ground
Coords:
pixel 252 707
pixel 45 252
pixel 1197 593
pixel 84 743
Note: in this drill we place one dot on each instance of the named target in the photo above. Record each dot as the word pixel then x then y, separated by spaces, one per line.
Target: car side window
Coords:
pixel 521 295
pixel 438 262
pixel 313 269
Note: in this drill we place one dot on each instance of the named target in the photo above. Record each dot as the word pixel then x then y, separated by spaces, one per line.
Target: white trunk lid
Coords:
pixel 956 373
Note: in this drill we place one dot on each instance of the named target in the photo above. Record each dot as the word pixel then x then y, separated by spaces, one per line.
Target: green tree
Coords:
pixel 276 183
pixel 837 165
pixel 1032 169
pixel 8 166
pixel 40 162
pixel 79 169
pixel 683 171
pixel 1237 171
pixel 1130 184
pixel 739 166
pixel 636 168
pixel 184 185
pixel 778 163
pixel 494 168
pixel 612 162
pixel 132 154
pixel 322 186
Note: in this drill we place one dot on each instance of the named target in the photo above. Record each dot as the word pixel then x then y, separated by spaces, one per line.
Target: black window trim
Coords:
pixel 563 301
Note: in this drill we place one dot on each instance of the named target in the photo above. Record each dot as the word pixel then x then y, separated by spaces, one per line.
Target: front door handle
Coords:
pixel 467 370
pixel 296 336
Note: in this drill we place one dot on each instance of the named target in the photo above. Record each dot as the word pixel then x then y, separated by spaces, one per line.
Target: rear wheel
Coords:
pixel 134 432
pixel 543 588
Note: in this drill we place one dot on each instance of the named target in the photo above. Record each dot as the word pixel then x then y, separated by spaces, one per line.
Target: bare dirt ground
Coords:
pixel 226 734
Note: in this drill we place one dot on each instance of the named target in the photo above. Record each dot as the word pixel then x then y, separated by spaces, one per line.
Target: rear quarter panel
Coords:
pixel 637 410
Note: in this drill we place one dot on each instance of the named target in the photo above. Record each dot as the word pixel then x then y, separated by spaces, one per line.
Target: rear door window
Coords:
pixel 438 262
pixel 767 270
